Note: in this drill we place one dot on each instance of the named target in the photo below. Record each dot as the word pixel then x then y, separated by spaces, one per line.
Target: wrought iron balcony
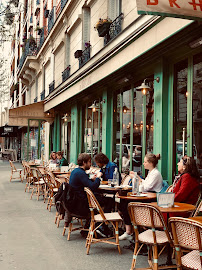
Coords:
pixel 51 19
pixel 38 2
pixel 114 30
pixel 51 87
pixel 29 49
pixel 63 3
pixel 35 100
pixel 31 19
pixel 43 95
pixel 43 35
pixel 85 57
pixel 65 74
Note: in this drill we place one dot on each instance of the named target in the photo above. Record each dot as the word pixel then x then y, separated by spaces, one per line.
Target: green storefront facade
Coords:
pixel 129 123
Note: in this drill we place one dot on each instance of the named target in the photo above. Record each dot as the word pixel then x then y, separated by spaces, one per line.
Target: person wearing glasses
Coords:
pixel 186 187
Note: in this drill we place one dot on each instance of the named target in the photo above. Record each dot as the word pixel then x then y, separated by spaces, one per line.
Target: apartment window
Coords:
pixel 114 9
pixel 86 27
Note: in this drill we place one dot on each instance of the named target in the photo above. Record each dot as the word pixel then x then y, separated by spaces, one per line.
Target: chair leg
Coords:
pixel 92 226
pixel 134 256
pixel 32 193
pixel 38 192
pixel 70 230
pixel 58 221
pixel 64 230
pixel 56 217
pixel 11 176
pixel 117 236
pixel 155 257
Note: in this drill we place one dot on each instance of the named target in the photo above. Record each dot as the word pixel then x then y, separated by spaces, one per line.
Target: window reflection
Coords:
pixel 197 109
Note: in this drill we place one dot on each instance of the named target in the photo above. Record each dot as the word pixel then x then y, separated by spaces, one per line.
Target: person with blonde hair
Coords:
pixel 62 160
pixel 153 182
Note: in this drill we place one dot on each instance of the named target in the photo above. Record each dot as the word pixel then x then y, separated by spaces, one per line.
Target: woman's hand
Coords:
pixel 99 175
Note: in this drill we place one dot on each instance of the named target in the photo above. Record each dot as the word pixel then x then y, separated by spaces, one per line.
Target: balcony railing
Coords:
pixel 35 100
pixel 43 95
pixel 43 35
pixel 31 19
pixel 65 74
pixel 51 87
pixel 30 48
pixel 63 3
pixel 51 19
pixel 85 57
pixel 114 30
pixel 38 2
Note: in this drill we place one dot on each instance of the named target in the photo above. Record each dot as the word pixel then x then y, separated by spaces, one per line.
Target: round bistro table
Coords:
pixel 150 196
pixel 177 208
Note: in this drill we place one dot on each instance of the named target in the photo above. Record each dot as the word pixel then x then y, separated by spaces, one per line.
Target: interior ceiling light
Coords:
pixel 196 43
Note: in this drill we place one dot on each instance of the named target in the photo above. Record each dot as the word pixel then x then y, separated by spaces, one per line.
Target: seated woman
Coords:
pixel 62 160
pixel 126 162
pixel 153 182
pixel 107 167
pixel 53 159
pixel 187 187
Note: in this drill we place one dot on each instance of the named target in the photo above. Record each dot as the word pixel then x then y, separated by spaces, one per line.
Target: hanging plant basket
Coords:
pixel 39 31
pixel 78 53
pixel 103 29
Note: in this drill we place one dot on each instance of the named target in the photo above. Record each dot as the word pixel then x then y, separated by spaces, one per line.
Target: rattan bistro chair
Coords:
pixel 38 183
pixel 157 234
pixel 101 218
pixel 15 171
pixel 187 234
pixel 198 209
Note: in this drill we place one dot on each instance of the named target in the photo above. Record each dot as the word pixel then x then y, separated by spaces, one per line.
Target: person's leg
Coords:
pixel 123 207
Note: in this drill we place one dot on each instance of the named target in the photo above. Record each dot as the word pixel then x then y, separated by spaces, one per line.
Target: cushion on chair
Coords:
pixel 192 260
pixel 19 170
pixel 147 237
pixel 41 182
pixel 109 216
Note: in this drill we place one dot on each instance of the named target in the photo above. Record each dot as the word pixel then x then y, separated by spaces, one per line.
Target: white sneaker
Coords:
pixel 125 236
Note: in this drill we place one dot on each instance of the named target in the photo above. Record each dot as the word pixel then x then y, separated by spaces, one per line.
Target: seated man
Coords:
pixel 79 179
pixel 107 167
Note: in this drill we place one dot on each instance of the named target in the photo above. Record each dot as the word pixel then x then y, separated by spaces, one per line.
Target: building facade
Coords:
pixel 79 65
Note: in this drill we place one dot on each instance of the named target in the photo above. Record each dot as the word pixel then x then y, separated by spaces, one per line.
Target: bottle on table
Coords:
pixel 116 177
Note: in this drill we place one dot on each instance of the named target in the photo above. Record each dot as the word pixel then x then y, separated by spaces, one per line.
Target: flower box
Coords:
pixel 78 53
pixel 103 29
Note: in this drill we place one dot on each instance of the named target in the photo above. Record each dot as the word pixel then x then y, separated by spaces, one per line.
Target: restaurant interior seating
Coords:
pixel 148 216
pixel 101 218
pixel 187 235
pixel 14 171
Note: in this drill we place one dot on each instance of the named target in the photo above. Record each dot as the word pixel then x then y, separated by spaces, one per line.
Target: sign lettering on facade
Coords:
pixel 8 129
pixel 188 9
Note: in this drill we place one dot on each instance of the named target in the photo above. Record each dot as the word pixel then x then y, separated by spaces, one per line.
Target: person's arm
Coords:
pixel 150 182
pixel 93 185
pixel 184 188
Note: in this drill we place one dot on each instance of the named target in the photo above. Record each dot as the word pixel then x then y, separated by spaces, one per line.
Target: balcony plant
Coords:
pixel 78 53
pixel 46 13
pixel 38 29
pixel 102 26
pixel 87 44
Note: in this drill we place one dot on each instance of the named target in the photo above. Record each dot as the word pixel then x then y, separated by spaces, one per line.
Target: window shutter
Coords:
pixel 67 50
pixel 86 26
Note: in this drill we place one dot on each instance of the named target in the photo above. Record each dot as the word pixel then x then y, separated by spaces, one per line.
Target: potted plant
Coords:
pixel 87 44
pixel 102 26
pixel 78 53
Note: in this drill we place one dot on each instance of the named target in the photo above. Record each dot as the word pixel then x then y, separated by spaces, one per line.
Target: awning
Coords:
pixel 20 116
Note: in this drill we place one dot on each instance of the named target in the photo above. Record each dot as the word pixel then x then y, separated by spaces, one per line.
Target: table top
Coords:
pixel 146 196
pixel 178 208
pixel 59 172
pixel 197 218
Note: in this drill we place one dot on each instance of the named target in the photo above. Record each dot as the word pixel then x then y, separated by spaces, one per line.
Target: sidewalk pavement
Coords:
pixel 30 240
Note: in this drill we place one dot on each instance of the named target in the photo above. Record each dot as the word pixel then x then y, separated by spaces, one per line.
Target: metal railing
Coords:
pixel 35 100
pixel 43 35
pixel 51 87
pixel 65 74
pixel 31 19
pixel 51 19
pixel 43 95
pixel 38 2
pixel 85 57
pixel 30 48
pixel 63 3
pixel 114 30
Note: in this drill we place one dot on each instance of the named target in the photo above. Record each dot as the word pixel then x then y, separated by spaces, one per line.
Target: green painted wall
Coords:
pixel 160 117
pixel 74 133
pixel 55 134
pixel 58 132
pixel 107 123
